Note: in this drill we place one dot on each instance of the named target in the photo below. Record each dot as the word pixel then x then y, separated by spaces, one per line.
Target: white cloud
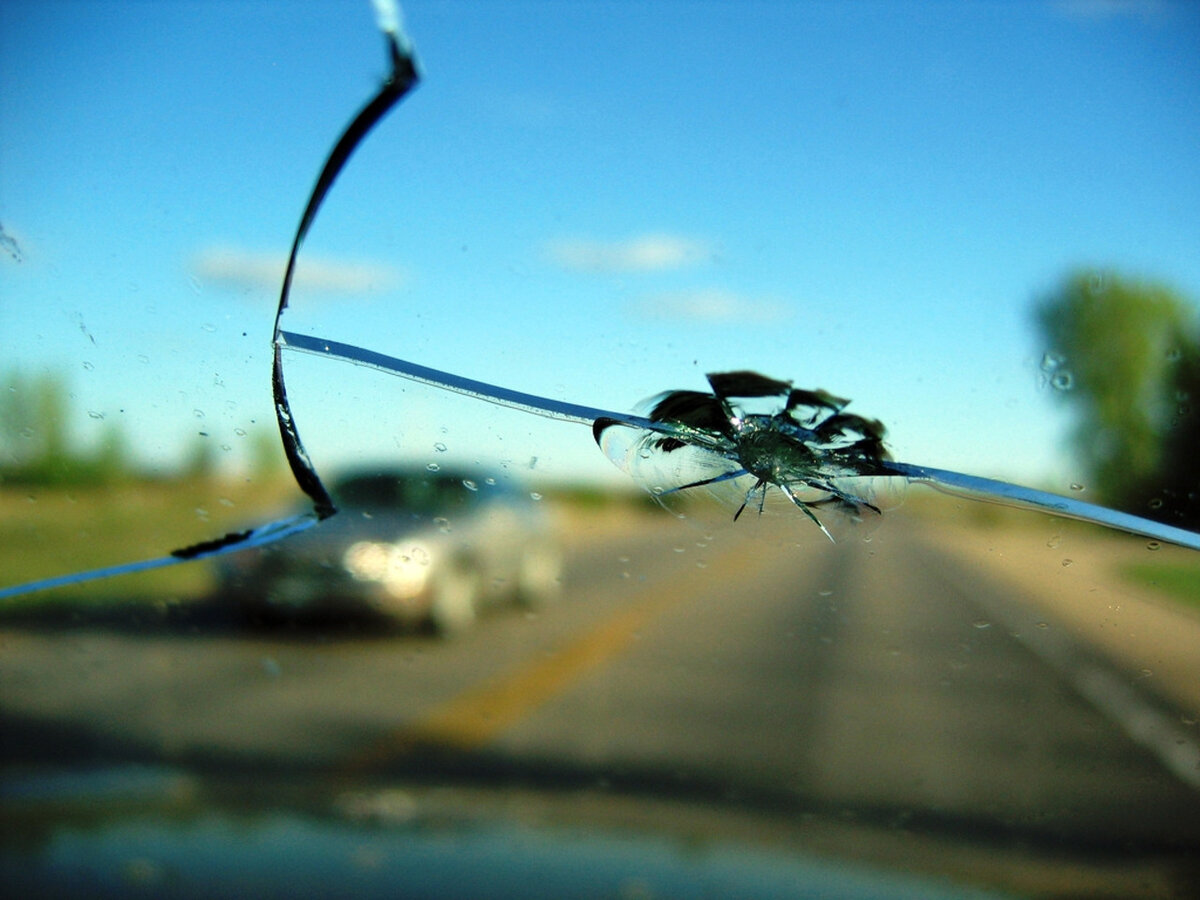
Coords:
pixel 712 306
pixel 644 253
pixel 247 270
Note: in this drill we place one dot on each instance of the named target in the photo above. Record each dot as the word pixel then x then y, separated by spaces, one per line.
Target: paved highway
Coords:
pixel 888 685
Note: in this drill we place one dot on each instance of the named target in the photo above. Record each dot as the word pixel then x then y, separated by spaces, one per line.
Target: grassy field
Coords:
pixel 1178 581
pixel 48 532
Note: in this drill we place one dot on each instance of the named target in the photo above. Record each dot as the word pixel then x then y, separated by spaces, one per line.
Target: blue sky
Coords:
pixel 596 201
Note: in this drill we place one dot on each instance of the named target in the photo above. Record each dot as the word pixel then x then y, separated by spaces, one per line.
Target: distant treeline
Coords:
pixel 36 447
pixel 1124 355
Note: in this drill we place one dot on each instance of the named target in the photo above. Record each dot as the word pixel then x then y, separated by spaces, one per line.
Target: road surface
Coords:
pixel 891 697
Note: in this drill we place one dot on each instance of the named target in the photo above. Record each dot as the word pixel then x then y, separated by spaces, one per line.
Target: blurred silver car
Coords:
pixel 411 546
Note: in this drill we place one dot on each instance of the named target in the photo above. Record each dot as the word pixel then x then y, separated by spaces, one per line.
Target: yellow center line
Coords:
pixel 476 716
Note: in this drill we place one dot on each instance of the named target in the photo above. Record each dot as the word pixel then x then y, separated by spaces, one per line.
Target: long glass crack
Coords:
pixel 402 78
pixel 814 452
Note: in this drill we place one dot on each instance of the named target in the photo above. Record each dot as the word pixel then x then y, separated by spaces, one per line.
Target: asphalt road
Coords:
pixel 884 684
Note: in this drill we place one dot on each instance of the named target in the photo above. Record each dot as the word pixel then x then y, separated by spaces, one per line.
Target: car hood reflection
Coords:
pixel 110 832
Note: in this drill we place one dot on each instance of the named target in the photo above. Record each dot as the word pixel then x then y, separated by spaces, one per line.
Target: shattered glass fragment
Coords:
pixel 818 456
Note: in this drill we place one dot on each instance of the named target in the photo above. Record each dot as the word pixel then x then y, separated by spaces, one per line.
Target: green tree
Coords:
pixel 111 460
pixel 35 446
pixel 1125 355
pixel 33 427
pixel 1180 466
pixel 266 453
pixel 200 459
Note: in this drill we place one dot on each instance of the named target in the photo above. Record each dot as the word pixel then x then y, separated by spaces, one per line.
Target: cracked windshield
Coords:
pixel 598 449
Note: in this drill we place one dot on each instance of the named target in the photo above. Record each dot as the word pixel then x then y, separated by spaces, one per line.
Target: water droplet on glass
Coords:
pixel 1062 381
pixel 439 447
pixel 982 623
pixel 432 467
pixel 198 413
pixel 1076 486
pixel 1054 541
pixel 88 366
pixel 1155 503
pixel 534 495
pixel 1153 545
pixel 1051 361
pixel 94 414
pixel 1043 624
pixel 490 482
pixel 208 326
pixel 443 524
pixel 1068 562
pixel 470 485
pixel 240 432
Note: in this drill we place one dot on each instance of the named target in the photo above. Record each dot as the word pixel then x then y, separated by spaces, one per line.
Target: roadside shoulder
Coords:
pixel 1071 575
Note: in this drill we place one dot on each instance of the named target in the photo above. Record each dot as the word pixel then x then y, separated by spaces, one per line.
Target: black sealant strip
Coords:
pixel 402 78
pixel 241 540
